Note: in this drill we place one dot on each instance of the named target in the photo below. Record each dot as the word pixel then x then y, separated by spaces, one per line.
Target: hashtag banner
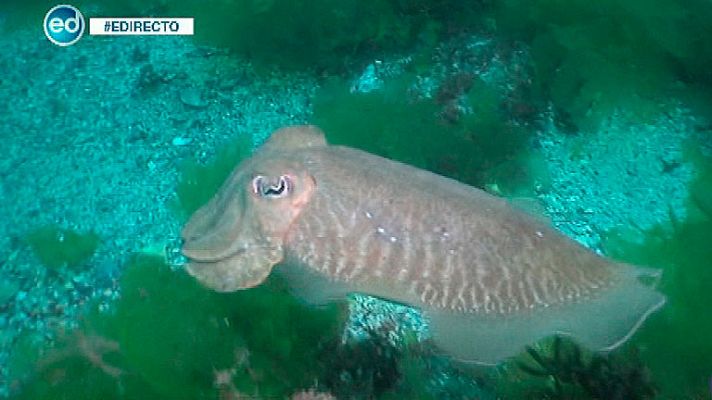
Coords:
pixel 141 26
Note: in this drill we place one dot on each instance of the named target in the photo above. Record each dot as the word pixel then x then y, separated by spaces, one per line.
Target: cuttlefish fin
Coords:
pixel 601 323
pixel 311 287
pixel 295 137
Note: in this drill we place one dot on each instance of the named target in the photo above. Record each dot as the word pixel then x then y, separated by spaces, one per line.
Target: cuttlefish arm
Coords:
pixel 490 278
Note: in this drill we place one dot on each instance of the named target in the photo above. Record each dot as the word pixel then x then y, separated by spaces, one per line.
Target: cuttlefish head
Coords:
pixel 235 239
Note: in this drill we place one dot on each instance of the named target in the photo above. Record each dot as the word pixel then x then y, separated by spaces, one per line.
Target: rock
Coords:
pixel 192 97
pixel 368 81
pixel 180 141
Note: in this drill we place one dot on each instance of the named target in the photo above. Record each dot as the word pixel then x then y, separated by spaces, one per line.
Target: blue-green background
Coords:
pixel 596 115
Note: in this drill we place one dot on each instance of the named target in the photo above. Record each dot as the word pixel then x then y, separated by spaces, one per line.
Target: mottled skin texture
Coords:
pixel 384 228
pixel 434 241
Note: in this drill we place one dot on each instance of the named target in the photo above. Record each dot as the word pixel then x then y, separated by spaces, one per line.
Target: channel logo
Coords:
pixel 63 25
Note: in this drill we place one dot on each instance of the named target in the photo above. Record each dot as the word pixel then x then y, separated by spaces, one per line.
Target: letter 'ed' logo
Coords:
pixel 63 25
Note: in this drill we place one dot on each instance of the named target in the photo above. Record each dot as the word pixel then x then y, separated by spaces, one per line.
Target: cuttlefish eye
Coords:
pixel 272 188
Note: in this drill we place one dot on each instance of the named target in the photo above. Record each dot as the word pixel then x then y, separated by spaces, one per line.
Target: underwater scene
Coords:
pixel 385 199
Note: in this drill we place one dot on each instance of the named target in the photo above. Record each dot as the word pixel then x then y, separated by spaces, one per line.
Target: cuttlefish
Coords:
pixel 490 278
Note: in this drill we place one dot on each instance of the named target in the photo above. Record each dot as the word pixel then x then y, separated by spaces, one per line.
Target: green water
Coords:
pixel 563 66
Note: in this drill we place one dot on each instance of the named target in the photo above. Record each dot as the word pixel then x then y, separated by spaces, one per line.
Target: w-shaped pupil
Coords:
pixel 275 190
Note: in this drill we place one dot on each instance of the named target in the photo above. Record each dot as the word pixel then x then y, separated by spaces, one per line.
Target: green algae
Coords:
pixel 591 58
pixel 169 333
pixel 321 35
pixel 199 182
pixel 675 341
pixel 58 247
pixel 79 363
pixel 171 338
pixel 178 335
pixel 392 123
pixel 557 368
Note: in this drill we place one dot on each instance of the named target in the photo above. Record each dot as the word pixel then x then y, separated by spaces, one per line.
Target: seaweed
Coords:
pixel 591 59
pixel 363 369
pixel 84 362
pixel 675 341
pixel 321 35
pixel 572 374
pixel 199 182
pixel 393 123
pixel 171 338
pixel 174 329
pixel 58 247
pixel 427 373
